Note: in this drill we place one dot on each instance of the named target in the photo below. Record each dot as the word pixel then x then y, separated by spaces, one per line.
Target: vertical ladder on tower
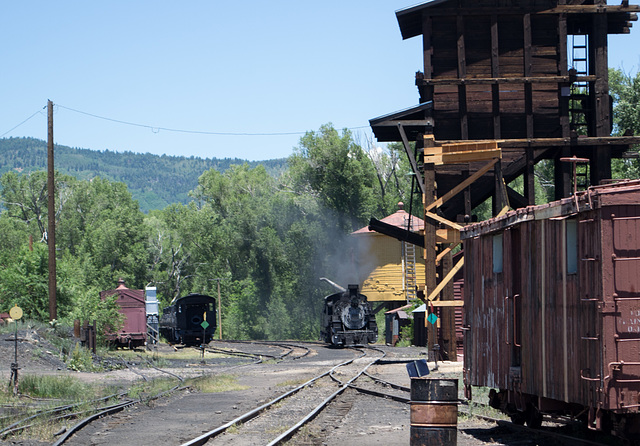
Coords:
pixel 579 105
pixel 410 279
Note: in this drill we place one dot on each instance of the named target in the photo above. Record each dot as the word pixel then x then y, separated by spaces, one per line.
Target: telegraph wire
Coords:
pixel 156 129
pixel 12 129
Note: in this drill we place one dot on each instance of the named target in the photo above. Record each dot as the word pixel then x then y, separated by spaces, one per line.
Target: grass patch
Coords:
pixel 216 383
pixel 61 387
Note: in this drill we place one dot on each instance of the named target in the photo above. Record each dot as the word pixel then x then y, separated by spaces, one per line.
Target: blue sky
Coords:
pixel 243 67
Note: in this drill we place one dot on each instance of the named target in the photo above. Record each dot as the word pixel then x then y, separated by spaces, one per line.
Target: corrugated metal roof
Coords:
pixel 398 219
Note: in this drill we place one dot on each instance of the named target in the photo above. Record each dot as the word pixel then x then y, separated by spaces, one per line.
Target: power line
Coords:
pixel 156 129
pixel 12 129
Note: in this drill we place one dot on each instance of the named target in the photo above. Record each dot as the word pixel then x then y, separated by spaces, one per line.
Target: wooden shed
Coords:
pixel 389 269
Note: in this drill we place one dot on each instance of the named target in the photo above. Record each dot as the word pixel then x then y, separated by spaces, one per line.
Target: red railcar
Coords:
pixel 552 309
pixel 131 305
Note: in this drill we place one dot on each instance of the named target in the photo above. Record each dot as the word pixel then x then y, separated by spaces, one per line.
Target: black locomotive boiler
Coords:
pixel 190 320
pixel 348 318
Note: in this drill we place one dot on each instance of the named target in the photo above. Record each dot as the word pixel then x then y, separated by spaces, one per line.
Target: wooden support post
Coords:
pixel 462 73
pixel 562 175
pixel 528 88
pixel 426 50
pixel 467 196
pixel 601 159
pixel 529 179
pixel 448 325
pixel 563 96
pixel 412 159
pixel 500 193
pixel 495 73
pixel 430 245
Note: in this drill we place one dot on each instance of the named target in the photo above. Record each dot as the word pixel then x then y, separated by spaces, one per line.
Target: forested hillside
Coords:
pixel 268 239
pixel 155 181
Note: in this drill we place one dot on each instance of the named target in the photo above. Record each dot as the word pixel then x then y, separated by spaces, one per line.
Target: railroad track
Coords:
pixel 288 350
pixel 278 420
pixel 87 411
pixel 282 351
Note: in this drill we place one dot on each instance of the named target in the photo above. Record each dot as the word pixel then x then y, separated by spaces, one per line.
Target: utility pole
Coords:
pixel 219 312
pixel 51 231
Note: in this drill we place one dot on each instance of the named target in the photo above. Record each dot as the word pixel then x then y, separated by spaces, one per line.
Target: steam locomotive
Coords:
pixel 347 318
pixel 190 320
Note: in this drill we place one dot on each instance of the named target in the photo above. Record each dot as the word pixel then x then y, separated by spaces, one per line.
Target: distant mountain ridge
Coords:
pixel 155 181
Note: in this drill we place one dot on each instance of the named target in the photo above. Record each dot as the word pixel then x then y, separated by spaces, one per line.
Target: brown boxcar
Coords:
pixel 132 306
pixel 552 309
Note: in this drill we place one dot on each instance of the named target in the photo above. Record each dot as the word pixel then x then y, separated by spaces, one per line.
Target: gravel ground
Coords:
pixel 354 419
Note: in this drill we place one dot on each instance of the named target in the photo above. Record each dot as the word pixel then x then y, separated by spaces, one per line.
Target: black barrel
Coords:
pixel 434 411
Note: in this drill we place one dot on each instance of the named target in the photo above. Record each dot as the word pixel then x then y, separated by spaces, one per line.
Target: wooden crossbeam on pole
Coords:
pixel 447 279
pixel 460 187
pixel 443 220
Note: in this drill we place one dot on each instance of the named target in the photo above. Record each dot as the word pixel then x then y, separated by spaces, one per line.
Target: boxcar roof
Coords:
pixel 593 198
pixel 125 293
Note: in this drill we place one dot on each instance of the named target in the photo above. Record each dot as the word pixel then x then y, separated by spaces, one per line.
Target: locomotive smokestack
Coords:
pixel 333 284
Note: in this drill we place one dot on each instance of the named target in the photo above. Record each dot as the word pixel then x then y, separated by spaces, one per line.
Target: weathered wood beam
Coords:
pixel 453 192
pixel 430 243
pixel 448 315
pixel 443 220
pixel 427 51
pixel 435 291
pixel 505 80
pixel 495 73
pixel 587 141
pixel 512 11
pixel 529 180
pixel 462 157
pixel 516 200
pixel 462 73
pixel 412 159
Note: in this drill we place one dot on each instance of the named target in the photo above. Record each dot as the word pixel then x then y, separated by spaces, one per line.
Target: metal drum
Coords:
pixel 434 411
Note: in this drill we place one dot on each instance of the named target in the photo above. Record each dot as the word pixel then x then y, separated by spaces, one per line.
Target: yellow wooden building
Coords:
pixel 390 270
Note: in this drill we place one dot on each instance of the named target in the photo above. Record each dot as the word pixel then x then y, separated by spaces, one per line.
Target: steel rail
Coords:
pixel 387 383
pixel 311 415
pixel 202 439
pixel 542 432
pixel 180 378
pixel 277 344
pixel 380 394
pixel 106 411
pixel 109 410
pixel 240 353
pixel 55 410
